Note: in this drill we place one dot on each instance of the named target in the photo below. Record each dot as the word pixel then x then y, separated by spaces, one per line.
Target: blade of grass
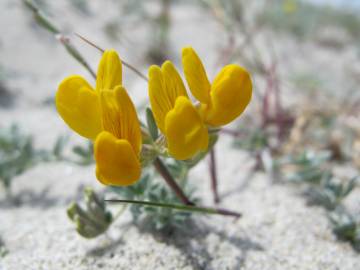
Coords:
pixel 180 207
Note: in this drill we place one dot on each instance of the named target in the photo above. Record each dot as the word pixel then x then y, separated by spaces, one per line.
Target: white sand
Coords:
pixel 277 231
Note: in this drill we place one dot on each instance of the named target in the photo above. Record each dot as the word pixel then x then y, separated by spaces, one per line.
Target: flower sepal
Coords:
pixel 149 152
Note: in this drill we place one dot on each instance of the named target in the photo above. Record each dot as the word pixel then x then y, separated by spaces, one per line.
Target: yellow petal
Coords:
pixel 157 94
pixel 109 72
pixel 185 132
pixel 116 161
pixel 165 85
pixel 195 75
pixel 173 82
pixel 119 116
pixel 230 94
pixel 78 104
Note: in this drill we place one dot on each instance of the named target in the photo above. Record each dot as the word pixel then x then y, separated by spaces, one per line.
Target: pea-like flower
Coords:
pixel 223 100
pixel 107 116
pixel 184 125
pixel 175 114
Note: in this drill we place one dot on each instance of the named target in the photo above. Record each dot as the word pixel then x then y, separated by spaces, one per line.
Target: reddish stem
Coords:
pixel 213 174
pixel 161 168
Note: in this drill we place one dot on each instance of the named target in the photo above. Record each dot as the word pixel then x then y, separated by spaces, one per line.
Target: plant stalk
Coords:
pixel 164 172
pixel 213 174
pixel 47 24
pixel 187 208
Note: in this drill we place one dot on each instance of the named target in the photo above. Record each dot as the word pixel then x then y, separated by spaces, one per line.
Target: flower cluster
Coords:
pixel 184 124
pixel 107 116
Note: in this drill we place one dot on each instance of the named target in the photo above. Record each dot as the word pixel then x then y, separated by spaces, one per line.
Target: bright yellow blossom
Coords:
pixel 106 115
pixel 223 100
pixel 182 123
pixel 174 113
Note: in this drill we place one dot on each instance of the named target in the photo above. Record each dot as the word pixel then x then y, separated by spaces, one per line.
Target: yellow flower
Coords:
pixel 106 115
pixel 223 100
pixel 174 113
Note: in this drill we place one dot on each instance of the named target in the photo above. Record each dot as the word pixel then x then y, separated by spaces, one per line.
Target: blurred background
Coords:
pixel 302 126
pixel 308 49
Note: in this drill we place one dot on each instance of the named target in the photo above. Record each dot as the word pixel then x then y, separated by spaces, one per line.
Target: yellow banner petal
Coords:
pixel 195 75
pixel 119 117
pixel 165 85
pixel 184 130
pixel 78 104
pixel 173 82
pixel 109 72
pixel 230 94
pixel 160 105
pixel 116 161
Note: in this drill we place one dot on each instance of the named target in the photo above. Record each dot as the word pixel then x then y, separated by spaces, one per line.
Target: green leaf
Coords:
pixel 350 187
pixel 60 145
pixel 153 129
pixel 94 219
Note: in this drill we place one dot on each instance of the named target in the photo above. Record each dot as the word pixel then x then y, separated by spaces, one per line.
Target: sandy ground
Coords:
pixel 278 230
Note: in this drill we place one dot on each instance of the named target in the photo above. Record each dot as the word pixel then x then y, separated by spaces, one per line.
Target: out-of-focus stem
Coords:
pixel 75 53
pixel 187 208
pixel 126 64
pixel 41 17
pixel 213 174
pixel 47 24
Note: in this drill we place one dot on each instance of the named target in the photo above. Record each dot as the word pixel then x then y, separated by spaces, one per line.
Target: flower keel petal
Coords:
pixel 184 130
pixel 116 161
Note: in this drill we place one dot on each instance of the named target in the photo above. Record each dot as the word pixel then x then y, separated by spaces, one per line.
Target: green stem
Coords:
pixel 46 23
pixel 213 175
pixel 180 207
pixel 41 18
pixel 166 175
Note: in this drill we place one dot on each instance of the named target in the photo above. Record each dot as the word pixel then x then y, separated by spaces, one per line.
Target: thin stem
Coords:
pixel 180 207
pixel 126 64
pixel 75 53
pixel 134 70
pixel 164 172
pixel 213 174
pixel 47 24
pixel 89 42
